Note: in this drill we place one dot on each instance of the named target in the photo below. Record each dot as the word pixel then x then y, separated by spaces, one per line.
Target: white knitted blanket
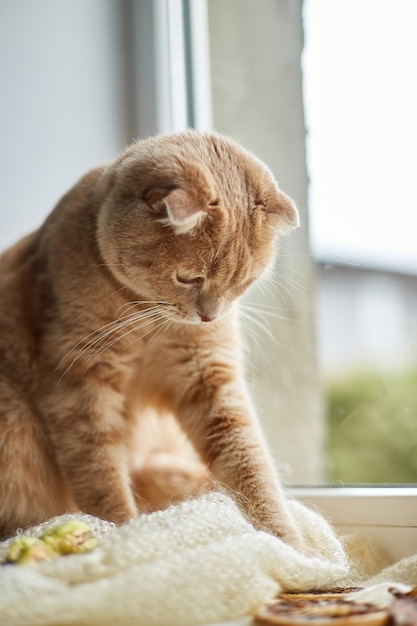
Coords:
pixel 196 563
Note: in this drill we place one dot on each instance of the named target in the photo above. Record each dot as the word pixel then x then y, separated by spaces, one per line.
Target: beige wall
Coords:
pixel 257 98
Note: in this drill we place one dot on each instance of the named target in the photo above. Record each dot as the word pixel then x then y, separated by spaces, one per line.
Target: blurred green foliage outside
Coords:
pixel 372 434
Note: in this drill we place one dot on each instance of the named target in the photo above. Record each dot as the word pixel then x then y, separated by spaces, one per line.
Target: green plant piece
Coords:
pixel 72 537
pixel 29 551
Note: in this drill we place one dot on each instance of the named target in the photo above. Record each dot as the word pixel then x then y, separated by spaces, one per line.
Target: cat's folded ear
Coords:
pixel 176 208
pixel 285 210
pixel 289 210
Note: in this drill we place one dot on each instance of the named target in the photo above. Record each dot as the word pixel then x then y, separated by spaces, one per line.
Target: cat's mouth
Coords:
pixel 195 319
pixel 196 316
pixel 200 317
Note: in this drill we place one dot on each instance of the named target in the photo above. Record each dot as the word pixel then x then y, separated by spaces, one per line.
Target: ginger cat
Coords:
pixel 124 306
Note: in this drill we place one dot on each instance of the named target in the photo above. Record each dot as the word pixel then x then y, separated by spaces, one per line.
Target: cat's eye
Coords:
pixel 190 281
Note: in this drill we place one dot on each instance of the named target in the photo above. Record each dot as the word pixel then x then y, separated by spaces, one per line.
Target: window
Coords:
pixel 150 65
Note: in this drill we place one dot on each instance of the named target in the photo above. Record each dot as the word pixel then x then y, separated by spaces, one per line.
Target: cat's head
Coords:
pixel 191 220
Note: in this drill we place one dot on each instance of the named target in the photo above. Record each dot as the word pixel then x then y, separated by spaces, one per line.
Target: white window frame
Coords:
pixel 172 66
pixel 386 516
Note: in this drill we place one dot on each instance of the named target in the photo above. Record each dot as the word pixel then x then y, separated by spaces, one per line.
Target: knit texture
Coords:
pixel 195 563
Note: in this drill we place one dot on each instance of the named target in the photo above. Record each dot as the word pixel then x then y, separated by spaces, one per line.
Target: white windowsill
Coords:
pixel 386 516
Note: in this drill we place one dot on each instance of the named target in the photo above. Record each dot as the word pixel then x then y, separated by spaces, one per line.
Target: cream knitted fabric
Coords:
pixel 195 563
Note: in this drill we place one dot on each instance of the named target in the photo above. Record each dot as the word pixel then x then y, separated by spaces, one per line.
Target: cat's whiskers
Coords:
pixel 130 319
pixel 134 303
pixel 279 280
pixel 97 334
pixel 122 288
pixel 253 326
pixel 159 331
pixel 281 269
pixel 145 317
pixel 156 318
pixel 145 320
pixel 295 284
pixel 249 313
pixel 266 288
pixel 266 309
pixel 256 341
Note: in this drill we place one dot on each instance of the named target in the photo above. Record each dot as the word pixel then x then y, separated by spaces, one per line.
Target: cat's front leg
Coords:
pixel 86 427
pixel 222 425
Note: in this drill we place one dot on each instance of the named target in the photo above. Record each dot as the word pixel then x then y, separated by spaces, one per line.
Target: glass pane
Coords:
pixel 361 102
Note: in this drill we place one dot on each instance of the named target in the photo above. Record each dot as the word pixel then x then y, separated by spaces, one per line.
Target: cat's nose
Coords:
pixel 207 318
pixel 209 307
